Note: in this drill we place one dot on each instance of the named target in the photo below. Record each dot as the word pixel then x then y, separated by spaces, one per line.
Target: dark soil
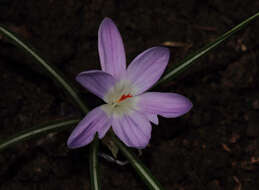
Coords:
pixel 214 147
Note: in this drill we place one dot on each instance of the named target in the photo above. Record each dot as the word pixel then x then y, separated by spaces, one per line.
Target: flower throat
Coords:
pixel 124 97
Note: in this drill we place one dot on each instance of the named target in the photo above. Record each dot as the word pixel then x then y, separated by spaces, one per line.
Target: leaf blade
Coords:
pixel 139 167
pixel 47 66
pixel 35 131
pixel 189 60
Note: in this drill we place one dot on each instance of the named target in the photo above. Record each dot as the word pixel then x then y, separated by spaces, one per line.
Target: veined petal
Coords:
pixel 95 121
pixel 164 104
pixel 147 68
pixel 134 129
pixel 111 49
pixel 152 117
pixel 97 82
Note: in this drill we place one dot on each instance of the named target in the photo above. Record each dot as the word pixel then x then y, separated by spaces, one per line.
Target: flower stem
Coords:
pixel 141 170
pixel 94 165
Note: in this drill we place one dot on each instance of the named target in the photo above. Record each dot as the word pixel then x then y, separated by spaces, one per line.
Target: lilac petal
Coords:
pixel 111 49
pixel 147 68
pixel 97 82
pixel 152 117
pixel 134 130
pixel 164 104
pixel 95 121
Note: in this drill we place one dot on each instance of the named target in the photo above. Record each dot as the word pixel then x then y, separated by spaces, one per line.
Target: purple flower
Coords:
pixel 127 108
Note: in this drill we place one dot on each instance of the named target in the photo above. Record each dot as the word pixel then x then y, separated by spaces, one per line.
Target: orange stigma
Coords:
pixel 124 97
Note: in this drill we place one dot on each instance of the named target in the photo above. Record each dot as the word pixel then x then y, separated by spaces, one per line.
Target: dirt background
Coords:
pixel 214 147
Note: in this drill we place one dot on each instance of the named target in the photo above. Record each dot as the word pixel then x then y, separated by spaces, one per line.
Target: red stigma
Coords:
pixel 124 97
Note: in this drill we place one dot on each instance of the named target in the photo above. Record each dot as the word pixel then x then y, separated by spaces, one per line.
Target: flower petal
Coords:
pixel 95 121
pixel 111 49
pixel 152 117
pixel 164 104
pixel 97 82
pixel 134 129
pixel 147 68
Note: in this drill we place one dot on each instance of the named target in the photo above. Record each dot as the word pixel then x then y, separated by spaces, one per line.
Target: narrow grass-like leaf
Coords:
pixel 139 167
pixel 37 131
pixel 189 60
pixel 55 74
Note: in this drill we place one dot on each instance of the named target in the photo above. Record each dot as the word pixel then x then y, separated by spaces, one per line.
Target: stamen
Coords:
pixel 124 97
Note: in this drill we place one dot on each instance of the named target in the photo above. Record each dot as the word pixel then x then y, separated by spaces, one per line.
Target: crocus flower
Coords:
pixel 128 108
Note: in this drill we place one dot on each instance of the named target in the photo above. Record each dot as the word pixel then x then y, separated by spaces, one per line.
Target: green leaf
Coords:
pixel 55 74
pixel 189 60
pixel 36 131
pixel 59 78
pixel 139 167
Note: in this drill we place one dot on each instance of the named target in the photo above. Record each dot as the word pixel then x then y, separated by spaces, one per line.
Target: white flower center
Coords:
pixel 120 99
